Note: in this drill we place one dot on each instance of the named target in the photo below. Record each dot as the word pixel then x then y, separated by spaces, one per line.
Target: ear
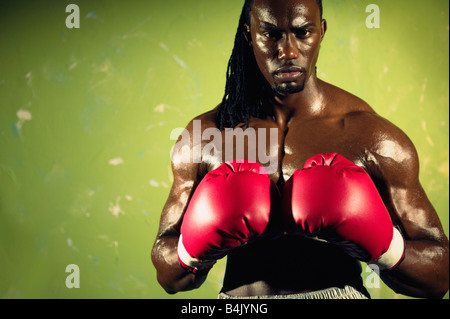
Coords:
pixel 247 34
pixel 323 26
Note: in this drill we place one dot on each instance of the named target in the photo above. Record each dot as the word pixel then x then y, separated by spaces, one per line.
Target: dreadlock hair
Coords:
pixel 247 93
pixel 245 85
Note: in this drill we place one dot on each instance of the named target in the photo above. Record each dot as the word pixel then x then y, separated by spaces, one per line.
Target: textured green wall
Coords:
pixel 86 116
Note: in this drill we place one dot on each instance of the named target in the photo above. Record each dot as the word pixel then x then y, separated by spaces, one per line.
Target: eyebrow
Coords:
pixel 270 27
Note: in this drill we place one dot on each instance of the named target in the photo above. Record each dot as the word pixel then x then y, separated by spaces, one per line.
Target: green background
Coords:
pixel 86 116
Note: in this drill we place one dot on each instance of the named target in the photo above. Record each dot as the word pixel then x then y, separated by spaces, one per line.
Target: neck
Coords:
pixel 308 102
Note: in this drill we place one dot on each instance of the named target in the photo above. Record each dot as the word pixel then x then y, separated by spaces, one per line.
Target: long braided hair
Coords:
pixel 247 93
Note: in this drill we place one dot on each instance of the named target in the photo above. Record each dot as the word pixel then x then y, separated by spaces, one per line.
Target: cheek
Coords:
pixel 314 54
pixel 264 56
pixel 309 55
pixel 309 48
pixel 261 45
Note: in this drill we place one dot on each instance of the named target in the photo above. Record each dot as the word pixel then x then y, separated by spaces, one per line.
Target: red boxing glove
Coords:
pixel 336 200
pixel 230 206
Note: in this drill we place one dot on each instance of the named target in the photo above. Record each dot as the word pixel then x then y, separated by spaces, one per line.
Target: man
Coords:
pixel 345 185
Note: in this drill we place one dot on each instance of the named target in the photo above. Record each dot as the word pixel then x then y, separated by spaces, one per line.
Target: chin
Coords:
pixel 288 88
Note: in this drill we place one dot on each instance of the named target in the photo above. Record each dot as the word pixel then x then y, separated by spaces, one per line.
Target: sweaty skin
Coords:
pixel 311 117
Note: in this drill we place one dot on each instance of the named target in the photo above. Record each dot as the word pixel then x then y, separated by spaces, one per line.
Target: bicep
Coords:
pixel 414 212
pixel 170 274
pixel 181 191
pixel 164 247
pixel 185 178
pixel 405 198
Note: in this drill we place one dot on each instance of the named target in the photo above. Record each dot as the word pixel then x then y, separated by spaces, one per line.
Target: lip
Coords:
pixel 288 73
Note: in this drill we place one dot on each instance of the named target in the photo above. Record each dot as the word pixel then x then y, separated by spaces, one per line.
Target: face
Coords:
pixel 285 37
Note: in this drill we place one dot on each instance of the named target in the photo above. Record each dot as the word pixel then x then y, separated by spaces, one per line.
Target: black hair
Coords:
pixel 247 93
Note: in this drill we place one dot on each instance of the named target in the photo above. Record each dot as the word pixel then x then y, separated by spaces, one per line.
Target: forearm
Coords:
pixel 171 276
pixel 424 272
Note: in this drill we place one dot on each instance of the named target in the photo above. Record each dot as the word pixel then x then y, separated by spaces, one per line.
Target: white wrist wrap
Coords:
pixel 191 262
pixel 394 255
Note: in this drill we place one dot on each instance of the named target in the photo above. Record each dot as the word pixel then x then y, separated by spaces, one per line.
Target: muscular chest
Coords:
pixel 282 150
pixel 305 139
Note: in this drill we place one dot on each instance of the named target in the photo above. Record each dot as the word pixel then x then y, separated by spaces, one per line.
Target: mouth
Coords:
pixel 288 73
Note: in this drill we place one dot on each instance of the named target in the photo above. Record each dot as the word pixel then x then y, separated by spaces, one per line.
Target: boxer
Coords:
pixel 346 188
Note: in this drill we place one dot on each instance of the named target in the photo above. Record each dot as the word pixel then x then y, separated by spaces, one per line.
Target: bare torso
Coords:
pixel 293 264
pixel 308 117
pixel 340 123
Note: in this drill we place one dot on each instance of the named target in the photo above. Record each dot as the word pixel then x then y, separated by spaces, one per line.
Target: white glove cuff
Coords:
pixel 394 255
pixel 193 264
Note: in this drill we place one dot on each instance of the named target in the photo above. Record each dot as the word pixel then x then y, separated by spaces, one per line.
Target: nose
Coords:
pixel 288 49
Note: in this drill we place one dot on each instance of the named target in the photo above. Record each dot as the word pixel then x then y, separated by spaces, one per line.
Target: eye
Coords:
pixel 274 35
pixel 303 33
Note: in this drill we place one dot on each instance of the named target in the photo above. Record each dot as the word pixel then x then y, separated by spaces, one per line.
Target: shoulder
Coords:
pixel 388 151
pixel 195 126
pixel 203 121
pixel 360 114
pixel 343 100
pixel 186 154
pixel 393 153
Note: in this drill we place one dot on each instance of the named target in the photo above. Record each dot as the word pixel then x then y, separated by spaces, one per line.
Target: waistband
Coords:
pixel 348 292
